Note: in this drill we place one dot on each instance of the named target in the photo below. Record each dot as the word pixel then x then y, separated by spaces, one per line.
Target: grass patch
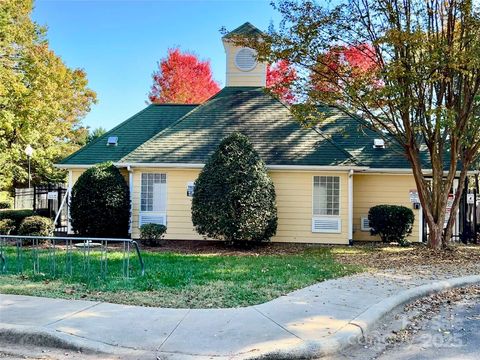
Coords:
pixel 176 280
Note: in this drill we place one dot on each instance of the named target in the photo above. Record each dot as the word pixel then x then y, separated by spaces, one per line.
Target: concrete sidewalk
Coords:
pixel 317 320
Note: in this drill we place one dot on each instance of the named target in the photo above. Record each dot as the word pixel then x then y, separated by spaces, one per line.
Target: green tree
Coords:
pixel 234 197
pixel 100 203
pixel 421 88
pixel 41 100
pixel 95 134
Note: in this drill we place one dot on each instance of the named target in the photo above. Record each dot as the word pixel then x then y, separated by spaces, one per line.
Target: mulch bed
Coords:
pixel 381 256
pixel 205 247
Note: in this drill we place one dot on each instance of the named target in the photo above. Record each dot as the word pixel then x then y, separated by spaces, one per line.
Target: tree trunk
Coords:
pixel 435 236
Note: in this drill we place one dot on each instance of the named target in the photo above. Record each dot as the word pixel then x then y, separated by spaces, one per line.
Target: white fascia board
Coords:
pixel 356 169
pixel 73 166
pixel 408 171
pixel 316 168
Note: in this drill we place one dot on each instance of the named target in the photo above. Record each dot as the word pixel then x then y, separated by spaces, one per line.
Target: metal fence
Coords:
pixel 47 200
pixel 55 257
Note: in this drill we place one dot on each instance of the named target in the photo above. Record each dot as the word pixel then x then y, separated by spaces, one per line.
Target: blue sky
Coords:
pixel 118 43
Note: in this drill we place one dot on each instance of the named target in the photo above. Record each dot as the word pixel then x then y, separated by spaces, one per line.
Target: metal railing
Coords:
pixel 67 256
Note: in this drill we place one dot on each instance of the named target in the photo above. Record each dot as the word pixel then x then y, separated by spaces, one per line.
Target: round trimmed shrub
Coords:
pixel 7 226
pixel 17 216
pixel 234 197
pixel 100 203
pixel 36 226
pixel 5 204
pixel 393 223
pixel 151 234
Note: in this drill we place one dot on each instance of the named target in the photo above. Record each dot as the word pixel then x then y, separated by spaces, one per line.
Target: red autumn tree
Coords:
pixel 345 66
pixel 280 77
pixel 182 78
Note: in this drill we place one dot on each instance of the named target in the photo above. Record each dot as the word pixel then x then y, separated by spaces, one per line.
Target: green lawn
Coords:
pixel 174 279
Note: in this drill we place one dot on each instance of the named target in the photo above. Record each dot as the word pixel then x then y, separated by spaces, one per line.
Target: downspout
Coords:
pixel 130 187
pixel 69 193
pixel 350 207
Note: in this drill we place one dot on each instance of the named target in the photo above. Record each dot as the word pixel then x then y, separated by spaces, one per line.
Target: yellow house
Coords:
pixel 326 178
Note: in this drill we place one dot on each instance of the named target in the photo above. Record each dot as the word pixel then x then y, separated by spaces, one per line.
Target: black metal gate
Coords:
pixel 46 201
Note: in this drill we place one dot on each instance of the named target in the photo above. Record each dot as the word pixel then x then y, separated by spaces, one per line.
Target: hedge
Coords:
pixel 100 203
pixel 17 216
pixel 391 222
pixel 36 226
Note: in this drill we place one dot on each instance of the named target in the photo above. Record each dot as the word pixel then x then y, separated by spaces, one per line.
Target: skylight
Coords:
pixel 378 144
pixel 112 141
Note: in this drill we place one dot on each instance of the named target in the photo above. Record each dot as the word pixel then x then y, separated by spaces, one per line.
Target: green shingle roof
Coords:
pixel 189 134
pixel 246 29
pixel 131 133
pixel 352 134
pixel 278 138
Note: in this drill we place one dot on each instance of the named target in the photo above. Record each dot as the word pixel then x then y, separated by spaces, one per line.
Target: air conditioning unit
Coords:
pixel 326 224
pixel 365 223
pixel 150 217
pixel 378 144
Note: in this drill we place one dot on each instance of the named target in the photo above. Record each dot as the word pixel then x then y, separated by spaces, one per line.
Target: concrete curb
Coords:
pixel 355 330
pixel 38 336
pixel 345 337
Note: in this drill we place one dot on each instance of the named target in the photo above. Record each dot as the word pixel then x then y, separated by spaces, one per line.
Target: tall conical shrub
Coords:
pixel 234 197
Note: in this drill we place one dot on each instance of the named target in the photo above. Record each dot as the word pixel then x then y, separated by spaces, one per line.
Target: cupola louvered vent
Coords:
pixel 326 224
pixel 246 59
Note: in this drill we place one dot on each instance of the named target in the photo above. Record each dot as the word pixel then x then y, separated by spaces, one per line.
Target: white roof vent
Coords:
pixel 112 141
pixel 245 59
pixel 378 144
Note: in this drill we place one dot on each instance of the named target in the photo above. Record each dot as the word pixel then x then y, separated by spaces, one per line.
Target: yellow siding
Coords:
pixel 179 221
pixel 294 203
pixel 236 77
pixel 376 189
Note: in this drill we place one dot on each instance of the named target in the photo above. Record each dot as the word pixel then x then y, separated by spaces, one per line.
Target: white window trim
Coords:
pixel 160 213
pixel 339 196
pixel 319 217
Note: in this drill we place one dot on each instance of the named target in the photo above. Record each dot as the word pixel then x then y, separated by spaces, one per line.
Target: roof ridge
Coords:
pixel 164 130
pixel 160 133
pixel 119 126
pixel 319 132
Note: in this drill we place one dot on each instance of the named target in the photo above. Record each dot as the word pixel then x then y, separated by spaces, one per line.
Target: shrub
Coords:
pixel 36 226
pixel 7 226
pixel 234 197
pixel 391 222
pixel 151 234
pixel 100 203
pixel 16 215
pixel 5 204
pixel 45 213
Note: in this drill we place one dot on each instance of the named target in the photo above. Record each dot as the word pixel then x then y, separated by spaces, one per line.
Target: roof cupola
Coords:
pixel 243 69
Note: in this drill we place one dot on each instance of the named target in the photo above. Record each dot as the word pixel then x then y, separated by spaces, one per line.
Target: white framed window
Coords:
pixel 326 195
pixel 326 204
pixel 153 199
